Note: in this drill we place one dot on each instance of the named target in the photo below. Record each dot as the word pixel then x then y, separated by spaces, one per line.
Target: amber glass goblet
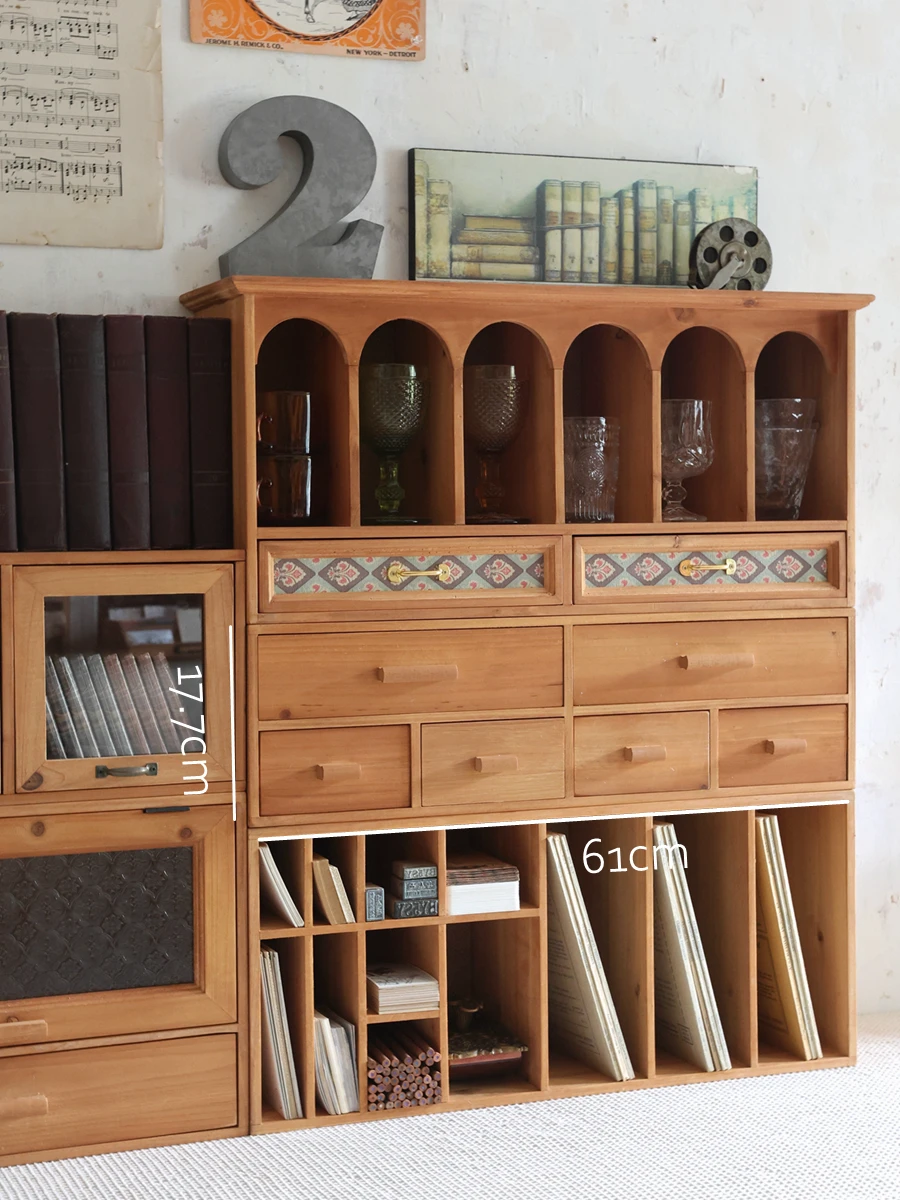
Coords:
pixel 494 410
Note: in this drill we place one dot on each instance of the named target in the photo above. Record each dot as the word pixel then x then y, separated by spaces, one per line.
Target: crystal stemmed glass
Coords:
pixel 392 398
pixel 687 450
pixel 494 408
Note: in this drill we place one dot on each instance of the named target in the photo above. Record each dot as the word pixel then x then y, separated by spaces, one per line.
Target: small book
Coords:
pixel 142 704
pixel 279 1071
pixel 498 223
pixel 159 703
pixel 59 707
pixel 114 721
pixel 275 891
pixel 400 988
pixel 8 536
pixel 490 237
pixel 125 705
pixel 74 699
pixel 786 1016
pixel 528 272
pixel 55 747
pixel 402 909
pixel 410 869
pixel 337 1081
pixel 129 452
pixel 82 358
pixel 414 889
pixel 374 902
pixel 330 892
pixel 92 706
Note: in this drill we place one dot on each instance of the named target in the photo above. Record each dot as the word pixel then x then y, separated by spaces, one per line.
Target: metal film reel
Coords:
pixel 733 254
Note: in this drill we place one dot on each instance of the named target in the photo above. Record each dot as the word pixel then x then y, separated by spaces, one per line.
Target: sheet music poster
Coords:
pixel 81 123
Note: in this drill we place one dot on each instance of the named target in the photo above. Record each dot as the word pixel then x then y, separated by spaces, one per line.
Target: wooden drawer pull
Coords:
pixel 419 673
pixel 716 662
pixel 24 1107
pixel 496 764
pixel 645 754
pixel 20 1033
pixel 779 747
pixel 334 772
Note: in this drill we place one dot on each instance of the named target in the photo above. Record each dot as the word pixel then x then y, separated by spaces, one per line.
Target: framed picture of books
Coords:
pixel 539 218
pixel 355 28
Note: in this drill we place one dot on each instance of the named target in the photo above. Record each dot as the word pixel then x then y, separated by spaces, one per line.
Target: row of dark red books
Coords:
pixel 115 432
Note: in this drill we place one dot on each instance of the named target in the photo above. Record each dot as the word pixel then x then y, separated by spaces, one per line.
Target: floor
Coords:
pixel 797 1137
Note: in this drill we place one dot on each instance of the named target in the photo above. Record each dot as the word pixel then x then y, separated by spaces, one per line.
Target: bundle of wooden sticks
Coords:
pixel 402 1070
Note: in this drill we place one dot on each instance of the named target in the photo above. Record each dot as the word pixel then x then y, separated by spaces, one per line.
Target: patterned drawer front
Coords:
pixel 301 576
pixel 774 747
pixel 684 569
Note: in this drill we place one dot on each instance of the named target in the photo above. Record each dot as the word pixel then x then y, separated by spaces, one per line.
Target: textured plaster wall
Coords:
pixel 807 91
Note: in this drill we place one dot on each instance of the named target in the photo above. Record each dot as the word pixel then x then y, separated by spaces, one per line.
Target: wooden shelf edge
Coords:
pixel 429 1014
pixel 311 533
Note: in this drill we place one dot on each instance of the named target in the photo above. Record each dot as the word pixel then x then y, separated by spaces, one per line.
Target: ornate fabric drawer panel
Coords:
pixel 777 747
pixel 307 576
pixel 683 569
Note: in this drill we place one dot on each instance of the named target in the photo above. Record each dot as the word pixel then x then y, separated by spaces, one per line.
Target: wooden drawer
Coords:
pixel 309 576
pixel 642 752
pixel 763 747
pixel 680 569
pixel 334 770
pixel 83 1098
pixel 439 670
pixel 673 661
pixel 493 762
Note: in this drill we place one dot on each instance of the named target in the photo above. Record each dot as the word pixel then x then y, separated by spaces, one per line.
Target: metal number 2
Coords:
pixel 307 236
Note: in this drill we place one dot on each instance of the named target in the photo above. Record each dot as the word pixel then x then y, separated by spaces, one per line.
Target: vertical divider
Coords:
pixel 750 450
pixel 751 932
pixel 304 858
pixel 539 999
pixel 444 1004
pixel 559 466
pixel 358 895
pixel 350 502
pixel 647 967
pixel 441 859
pixel 656 444
pixel 359 1016
pixel 443 470
pixel 307 1037
pixel 457 443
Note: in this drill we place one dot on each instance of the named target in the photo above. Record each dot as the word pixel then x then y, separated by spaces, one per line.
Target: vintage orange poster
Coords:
pixel 360 28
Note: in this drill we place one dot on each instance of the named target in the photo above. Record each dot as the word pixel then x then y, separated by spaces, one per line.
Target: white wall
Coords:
pixel 807 90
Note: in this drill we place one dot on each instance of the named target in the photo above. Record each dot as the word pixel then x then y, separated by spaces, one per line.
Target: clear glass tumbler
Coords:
pixel 591 446
pixel 783 456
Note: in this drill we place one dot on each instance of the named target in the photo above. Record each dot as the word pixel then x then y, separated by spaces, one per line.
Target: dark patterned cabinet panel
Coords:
pixel 115 923
pixel 683 569
pixel 306 576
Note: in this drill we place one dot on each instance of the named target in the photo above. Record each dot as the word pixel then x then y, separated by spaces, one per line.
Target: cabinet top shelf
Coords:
pixel 509 294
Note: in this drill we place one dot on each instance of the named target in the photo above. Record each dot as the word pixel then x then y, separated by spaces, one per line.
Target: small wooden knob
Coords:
pixel 334 772
pixel 419 673
pixel 779 747
pixel 717 662
pixel 23 1107
pixel 645 754
pixel 496 764
pixel 22 1033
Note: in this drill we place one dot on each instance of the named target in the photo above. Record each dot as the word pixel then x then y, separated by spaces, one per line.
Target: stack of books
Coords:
pixel 331 895
pixel 687 1016
pixel 274 891
pixel 401 988
pixel 786 1017
pixel 415 889
pixel 480 883
pixel 583 1019
pixel 337 1076
pixel 115 432
pixel 279 1071
pixel 493 247
pixel 106 705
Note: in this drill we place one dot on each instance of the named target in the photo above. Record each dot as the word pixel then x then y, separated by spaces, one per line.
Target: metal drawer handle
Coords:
pixel 713 662
pixel 645 754
pixel 419 673
pixel 779 747
pixel 335 771
pixel 103 772
pixel 687 567
pixel 19 1033
pixel 397 573
pixel 496 764
pixel 23 1107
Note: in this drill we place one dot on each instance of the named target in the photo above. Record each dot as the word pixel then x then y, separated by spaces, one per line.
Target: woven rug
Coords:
pixel 797 1137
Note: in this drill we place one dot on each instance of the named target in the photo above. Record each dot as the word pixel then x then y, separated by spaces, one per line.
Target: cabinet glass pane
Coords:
pixel 102 922
pixel 124 676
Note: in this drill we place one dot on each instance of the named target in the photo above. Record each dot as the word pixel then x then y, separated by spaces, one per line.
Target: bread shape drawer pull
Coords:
pixel 781 747
pixel 496 764
pixel 21 1033
pixel 645 754
pixel 723 661
pixel 419 673
pixel 24 1108
pixel 338 772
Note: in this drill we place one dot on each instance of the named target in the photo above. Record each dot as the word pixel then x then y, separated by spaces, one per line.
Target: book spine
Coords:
pixel 114 722
pixel 125 705
pixel 55 747
pixel 60 710
pixel 142 704
pixel 549 209
pixel 403 869
pixel 495 270
pixel 414 889
pixel 439 222
pixel 158 703
pixel 571 239
pixel 683 240
pixel 374 902
pixel 420 216
pixel 168 409
pixel 129 453
pixel 702 202
pixel 460 252
pixel 92 705
pixel 590 240
pixel 167 684
pixel 740 208
pixel 609 240
pixel 493 237
pixel 401 909
pixel 665 235
pixel 497 224
pixel 82 357
pixel 8 536
pixel 209 374
pixel 626 236
pixel 37 425
pixel 645 198
pixel 722 211
pixel 82 724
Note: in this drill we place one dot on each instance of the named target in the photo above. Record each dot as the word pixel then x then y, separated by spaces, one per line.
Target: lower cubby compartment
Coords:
pixel 384 851
pixel 519 845
pixel 418 946
pixel 404 1068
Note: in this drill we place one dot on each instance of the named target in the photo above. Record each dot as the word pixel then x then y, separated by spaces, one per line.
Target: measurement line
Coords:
pixel 233 748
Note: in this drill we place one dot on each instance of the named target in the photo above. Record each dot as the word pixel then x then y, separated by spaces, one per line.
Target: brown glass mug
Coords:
pixel 283 488
pixel 282 422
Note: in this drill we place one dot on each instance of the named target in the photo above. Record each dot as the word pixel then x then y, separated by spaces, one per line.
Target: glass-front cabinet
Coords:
pixel 122 677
